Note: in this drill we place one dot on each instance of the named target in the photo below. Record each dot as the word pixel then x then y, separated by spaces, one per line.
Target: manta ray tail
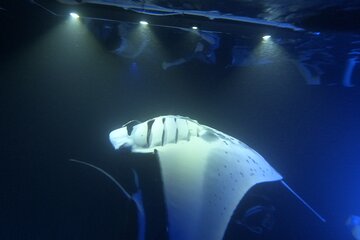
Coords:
pixel 136 197
pixel 303 201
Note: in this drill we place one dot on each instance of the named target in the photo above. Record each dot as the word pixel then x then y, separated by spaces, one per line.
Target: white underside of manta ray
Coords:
pixel 205 172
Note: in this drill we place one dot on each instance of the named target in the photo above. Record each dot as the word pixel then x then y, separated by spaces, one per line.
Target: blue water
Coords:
pixel 63 90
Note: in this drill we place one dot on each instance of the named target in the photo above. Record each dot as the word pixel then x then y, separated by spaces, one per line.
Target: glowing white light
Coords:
pixel 194 27
pixel 266 37
pixel 74 15
pixel 144 23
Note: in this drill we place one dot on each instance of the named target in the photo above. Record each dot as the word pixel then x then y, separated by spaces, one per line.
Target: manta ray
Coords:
pixel 205 173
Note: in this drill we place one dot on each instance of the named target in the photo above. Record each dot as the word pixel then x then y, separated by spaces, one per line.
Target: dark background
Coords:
pixel 62 92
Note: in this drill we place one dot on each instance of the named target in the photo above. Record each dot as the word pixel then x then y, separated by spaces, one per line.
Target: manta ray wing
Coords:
pixel 204 182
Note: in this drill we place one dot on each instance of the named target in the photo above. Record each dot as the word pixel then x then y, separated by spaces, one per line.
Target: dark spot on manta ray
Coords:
pixel 209 136
pixel 188 131
pixel 149 125
pixel 253 160
pixel 130 125
pixel 163 133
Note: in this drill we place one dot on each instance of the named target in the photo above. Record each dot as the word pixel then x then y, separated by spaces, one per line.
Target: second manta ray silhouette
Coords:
pixel 205 173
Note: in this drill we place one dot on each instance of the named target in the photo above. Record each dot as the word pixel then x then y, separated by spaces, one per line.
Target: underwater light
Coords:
pixel 144 23
pixel 194 27
pixel 74 15
pixel 266 37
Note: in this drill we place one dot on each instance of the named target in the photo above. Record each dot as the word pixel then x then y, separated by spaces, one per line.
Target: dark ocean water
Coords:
pixel 62 92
